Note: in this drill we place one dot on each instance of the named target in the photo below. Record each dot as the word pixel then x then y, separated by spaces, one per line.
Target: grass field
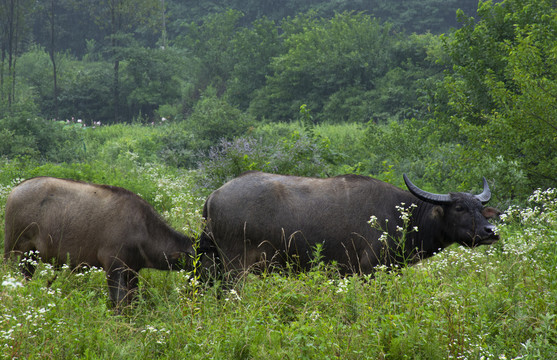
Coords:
pixel 494 302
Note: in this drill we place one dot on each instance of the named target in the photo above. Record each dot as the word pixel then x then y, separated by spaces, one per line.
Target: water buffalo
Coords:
pixel 260 220
pixel 89 224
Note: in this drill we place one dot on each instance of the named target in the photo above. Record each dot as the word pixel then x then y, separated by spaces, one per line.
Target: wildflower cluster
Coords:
pixel 30 258
pixel 90 270
pixel 30 320
pixel 161 121
pixel 232 296
pixel 159 335
pixel 405 214
pixel 401 231
pixel 174 195
pixel 4 191
pixel 10 282
pixel 542 210
pixel 342 285
pixel 80 123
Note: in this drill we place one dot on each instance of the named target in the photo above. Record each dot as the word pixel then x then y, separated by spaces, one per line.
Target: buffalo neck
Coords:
pixel 166 244
pixel 429 238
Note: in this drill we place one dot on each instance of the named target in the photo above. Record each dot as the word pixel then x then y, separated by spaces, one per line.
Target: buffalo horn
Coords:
pixel 426 196
pixel 486 194
pixel 443 199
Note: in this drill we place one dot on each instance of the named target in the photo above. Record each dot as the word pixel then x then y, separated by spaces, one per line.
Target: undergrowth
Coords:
pixel 494 302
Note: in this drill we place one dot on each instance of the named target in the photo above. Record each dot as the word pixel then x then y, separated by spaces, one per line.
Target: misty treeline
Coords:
pixel 112 61
pixel 447 91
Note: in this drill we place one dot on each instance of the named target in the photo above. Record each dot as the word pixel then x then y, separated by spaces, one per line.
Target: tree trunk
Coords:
pixel 53 60
pixel 3 61
pixel 11 35
pixel 114 42
pixel 116 90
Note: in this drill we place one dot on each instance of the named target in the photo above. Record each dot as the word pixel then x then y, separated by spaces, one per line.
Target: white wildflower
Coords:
pixel 233 295
pixel 11 283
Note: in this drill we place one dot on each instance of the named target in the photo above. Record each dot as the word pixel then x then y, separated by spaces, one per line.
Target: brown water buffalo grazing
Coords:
pixel 261 220
pixel 89 224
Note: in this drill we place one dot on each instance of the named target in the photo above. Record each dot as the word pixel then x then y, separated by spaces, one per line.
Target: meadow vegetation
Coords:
pixel 323 92
pixel 492 302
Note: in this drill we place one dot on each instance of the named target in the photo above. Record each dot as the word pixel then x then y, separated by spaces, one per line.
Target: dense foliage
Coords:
pixel 478 100
pixel 180 96
pixel 127 64
pixel 503 87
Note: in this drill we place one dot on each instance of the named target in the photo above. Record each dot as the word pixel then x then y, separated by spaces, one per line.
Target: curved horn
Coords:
pixel 485 195
pixel 424 195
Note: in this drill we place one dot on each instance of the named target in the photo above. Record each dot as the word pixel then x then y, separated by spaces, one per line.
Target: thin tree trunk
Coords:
pixel 10 14
pixel 116 81
pixel 163 26
pixel 53 60
pixel 17 27
pixel 2 95
pixel 116 90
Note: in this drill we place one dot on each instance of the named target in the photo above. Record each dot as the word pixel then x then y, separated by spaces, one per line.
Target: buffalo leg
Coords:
pixel 122 284
pixel 28 263
pixel 209 264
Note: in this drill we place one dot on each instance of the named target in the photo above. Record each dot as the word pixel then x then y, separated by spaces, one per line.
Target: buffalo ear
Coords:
pixel 175 255
pixel 491 213
pixel 182 260
pixel 437 212
pixel 178 255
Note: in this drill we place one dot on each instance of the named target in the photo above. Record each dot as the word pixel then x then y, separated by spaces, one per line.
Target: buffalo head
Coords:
pixel 462 216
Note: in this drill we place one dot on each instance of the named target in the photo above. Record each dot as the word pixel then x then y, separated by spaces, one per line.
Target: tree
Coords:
pixel 214 119
pixel 502 89
pixel 209 43
pixel 252 51
pixel 154 77
pixel 122 17
pixel 12 20
pixel 52 53
pixel 348 68
pixel 524 123
pixel 321 57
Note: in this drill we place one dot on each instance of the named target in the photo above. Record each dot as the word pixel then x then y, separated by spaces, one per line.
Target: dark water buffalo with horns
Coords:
pixel 261 219
pixel 96 225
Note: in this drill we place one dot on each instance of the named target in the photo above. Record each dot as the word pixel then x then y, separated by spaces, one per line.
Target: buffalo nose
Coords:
pixel 490 229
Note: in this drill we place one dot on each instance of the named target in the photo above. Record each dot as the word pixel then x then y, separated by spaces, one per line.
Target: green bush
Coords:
pixel 167 142
pixel 297 155
pixel 214 119
pixel 500 89
pixel 35 137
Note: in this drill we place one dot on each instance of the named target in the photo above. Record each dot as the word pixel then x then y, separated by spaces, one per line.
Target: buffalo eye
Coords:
pixel 459 208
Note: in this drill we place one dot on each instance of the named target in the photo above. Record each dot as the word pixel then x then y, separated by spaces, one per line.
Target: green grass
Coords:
pixel 494 302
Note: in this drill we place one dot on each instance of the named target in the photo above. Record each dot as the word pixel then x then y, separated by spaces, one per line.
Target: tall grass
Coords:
pixel 493 302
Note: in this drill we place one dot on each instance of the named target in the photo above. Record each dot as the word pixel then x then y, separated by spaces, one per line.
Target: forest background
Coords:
pixel 446 91
pixel 170 99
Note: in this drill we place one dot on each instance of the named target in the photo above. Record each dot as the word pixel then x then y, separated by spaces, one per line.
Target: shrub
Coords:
pixel 213 119
pixel 298 154
pixel 39 138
